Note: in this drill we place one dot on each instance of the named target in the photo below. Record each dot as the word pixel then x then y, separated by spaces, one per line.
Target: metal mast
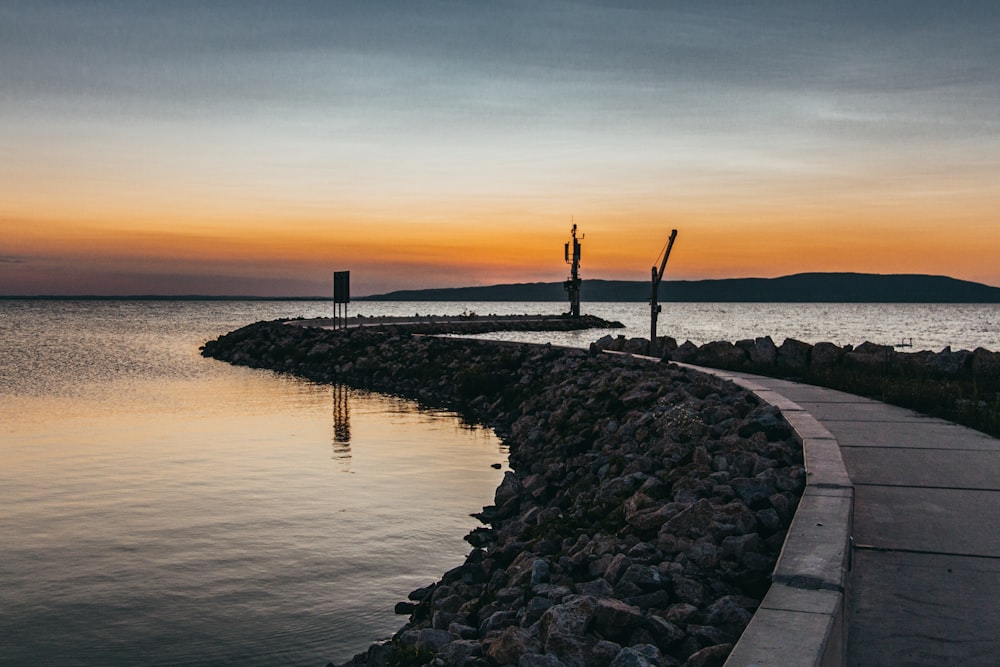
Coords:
pixel 654 306
pixel 572 285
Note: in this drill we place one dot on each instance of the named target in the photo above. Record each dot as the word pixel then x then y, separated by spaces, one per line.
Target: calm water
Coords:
pixel 161 508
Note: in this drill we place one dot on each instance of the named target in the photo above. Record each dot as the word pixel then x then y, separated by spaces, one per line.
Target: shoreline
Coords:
pixel 645 512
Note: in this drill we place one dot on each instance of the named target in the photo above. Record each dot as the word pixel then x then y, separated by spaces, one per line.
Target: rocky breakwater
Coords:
pixel 794 356
pixel 958 385
pixel 640 525
pixel 471 323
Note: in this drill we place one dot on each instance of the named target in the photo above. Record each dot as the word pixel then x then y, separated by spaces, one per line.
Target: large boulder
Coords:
pixel 870 355
pixel 985 363
pixel 721 354
pixel 825 356
pixel 615 619
pixel 509 489
pixel 572 618
pixel 950 363
pixel 686 353
pixel 794 355
pixel 764 352
pixel 512 643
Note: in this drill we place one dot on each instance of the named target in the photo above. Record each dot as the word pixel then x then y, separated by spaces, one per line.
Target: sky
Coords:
pixel 254 147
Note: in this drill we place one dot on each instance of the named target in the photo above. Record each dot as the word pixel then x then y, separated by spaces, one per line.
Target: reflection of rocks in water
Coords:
pixel 341 423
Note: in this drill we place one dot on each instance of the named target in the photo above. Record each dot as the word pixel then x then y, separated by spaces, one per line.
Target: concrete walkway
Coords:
pixel 923 586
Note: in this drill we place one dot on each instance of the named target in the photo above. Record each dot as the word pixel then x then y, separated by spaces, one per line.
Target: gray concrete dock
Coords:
pixel 922 584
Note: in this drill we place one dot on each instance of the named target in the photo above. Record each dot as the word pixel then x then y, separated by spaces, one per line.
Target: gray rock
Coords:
pixel 645 577
pixel 681 613
pixel 703 553
pixel 463 631
pixel 948 362
pixel 694 522
pixel 535 485
pixel 615 620
pixel 686 352
pixel 509 489
pixel 539 660
pixel 553 592
pixel 985 363
pixel 710 656
pixel 569 619
pixel 512 643
pixel 736 547
pixel 431 639
pixel 539 572
pixel 642 655
pixel 450 603
pixel 764 352
pixel 721 354
pixel 729 614
pixel 687 590
pixel 536 606
pixel 598 588
pixel 657 599
pixel 460 651
pixel 794 355
pixel 825 356
pixel 618 566
pixel 664 632
pixel 498 620
pixel 753 491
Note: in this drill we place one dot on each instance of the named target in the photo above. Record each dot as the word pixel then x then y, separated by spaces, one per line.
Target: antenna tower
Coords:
pixel 571 252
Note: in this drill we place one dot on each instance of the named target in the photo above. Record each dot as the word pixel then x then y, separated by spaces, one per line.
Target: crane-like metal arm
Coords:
pixel 654 306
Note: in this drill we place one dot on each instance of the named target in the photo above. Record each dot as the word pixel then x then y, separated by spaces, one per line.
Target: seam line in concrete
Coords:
pixel 806 583
pixel 929 486
pixel 922 449
pixel 924 552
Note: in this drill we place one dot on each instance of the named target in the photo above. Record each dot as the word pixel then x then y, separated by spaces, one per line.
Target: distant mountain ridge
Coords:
pixel 798 288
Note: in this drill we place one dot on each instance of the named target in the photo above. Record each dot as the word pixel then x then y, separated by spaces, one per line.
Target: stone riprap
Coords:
pixel 794 356
pixel 961 386
pixel 469 323
pixel 645 512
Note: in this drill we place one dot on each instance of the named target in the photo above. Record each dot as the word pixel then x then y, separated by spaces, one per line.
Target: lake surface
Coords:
pixel 162 508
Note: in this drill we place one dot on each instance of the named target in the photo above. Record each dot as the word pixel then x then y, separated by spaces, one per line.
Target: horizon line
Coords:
pixel 252 297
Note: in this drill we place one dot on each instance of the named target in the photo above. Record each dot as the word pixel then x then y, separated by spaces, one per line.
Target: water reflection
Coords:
pixel 342 426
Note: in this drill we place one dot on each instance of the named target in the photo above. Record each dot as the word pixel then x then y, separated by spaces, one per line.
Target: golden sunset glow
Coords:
pixel 399 146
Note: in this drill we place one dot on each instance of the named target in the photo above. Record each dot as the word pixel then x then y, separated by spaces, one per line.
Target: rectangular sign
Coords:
pixel 342 286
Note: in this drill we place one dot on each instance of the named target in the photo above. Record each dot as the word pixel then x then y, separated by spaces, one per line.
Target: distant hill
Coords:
pixel 798 288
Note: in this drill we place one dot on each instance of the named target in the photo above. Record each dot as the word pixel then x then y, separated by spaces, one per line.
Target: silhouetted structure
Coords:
pixel 572 285
pixel 654 306
pixel 341 297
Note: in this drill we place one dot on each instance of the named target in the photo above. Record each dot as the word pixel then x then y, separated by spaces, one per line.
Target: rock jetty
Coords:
pixel 795 356
pixel 962 386
pixel 470 323
pixel 645 512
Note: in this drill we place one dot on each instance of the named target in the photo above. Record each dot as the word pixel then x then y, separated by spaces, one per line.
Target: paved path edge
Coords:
pixel 802 620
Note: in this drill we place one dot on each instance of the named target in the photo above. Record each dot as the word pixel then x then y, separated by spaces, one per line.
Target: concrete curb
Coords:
pixel 802 619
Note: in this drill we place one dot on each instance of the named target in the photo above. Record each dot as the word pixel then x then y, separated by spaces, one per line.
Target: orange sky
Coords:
pixel 170 154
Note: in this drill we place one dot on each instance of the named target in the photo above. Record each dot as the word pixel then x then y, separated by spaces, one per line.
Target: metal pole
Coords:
pixel 654 306
pixel 654 310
